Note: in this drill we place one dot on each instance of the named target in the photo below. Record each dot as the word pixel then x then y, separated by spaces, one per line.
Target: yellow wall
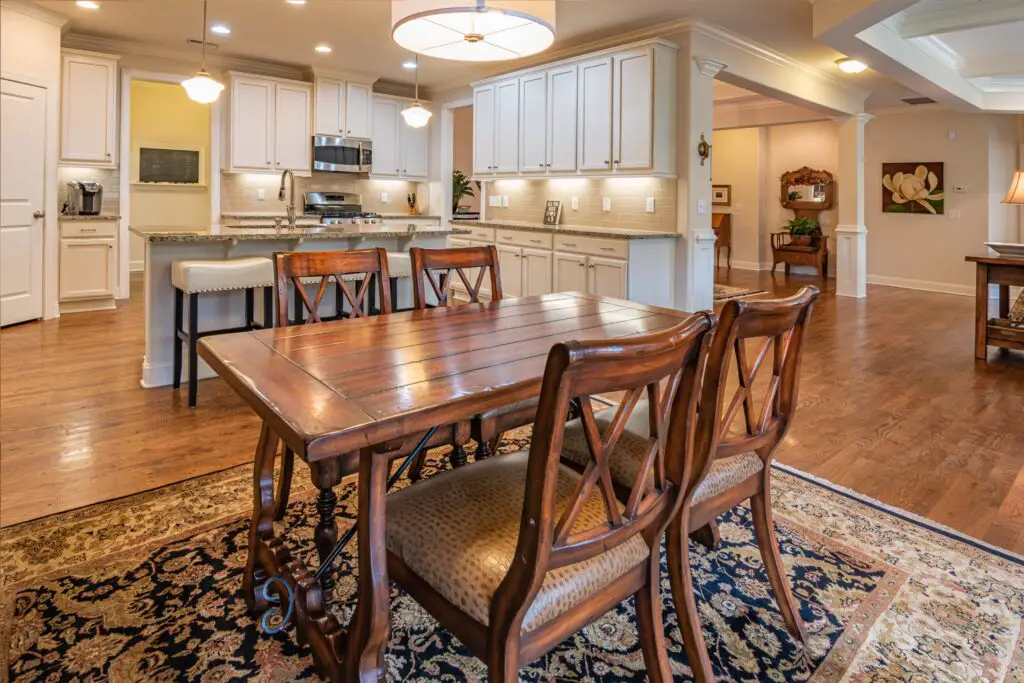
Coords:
pixel 162 114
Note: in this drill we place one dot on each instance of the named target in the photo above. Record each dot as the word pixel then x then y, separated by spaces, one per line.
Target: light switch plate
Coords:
pixel 494 200
pixel 384 198
pixel 261 195
pixel 650 205
pixel 575 203
pixel 504 201
pixel 702 206
pixel 606 204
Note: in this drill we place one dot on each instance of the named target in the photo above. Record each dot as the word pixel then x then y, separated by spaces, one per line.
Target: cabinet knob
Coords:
pixel 108 155
pixel 605 162
pixel 579 263
pixel 591 266
pixel 617 161
pixel 110 246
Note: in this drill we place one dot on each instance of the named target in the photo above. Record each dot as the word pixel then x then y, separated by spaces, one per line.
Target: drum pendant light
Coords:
pixel 417 116
pixel 202 88
pixel 474 30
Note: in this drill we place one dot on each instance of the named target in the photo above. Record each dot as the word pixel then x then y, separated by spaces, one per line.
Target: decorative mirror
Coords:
pixel 807 192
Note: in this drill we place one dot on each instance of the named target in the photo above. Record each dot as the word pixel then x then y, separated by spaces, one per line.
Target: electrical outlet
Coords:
pixel 702 206
pixel 960 189
pixel 384 198
pixel 261 195
pixel 606 204
pixel 504 201
pixel 650 205
pixel 494 200
pixel 954 214
pixel 575 203
pixel 952 135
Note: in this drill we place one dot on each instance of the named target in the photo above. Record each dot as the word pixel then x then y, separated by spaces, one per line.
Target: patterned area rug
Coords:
pixel 147 589
pixel 725 292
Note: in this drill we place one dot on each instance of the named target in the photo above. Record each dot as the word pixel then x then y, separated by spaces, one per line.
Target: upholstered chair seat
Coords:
pixel 458 532
pixel 628 456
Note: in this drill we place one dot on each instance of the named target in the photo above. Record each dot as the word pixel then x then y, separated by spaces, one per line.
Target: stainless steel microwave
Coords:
pixel 342 155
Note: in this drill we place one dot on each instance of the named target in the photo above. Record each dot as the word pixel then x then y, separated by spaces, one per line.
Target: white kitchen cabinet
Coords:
pixel 570 273
pixel 606 276
pixel 88 265
pixel 88 106
pixel 561 118
pixel 343 108
pixel 483 130
pixel 415 144
pixel 533 116
pixel 399 150
pixel 510 262
pixel 506 127
pixel 536 272
pixel 269 125
pixel 292 136
pixel 595 115
pixel 633 110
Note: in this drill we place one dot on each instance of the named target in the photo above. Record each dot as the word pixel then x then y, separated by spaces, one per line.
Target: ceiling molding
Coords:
pixel 35 11
pixel 993 84
pixel 82 41
pixel 708 67
pixel 937 49
pixel 945 16
pixel 994 65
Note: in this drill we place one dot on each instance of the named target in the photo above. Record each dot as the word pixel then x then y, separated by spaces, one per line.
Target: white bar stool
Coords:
pixel 201 277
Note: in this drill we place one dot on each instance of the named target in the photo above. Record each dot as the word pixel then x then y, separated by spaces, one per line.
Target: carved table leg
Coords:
pixel 369 631
pixel 484 450
pixel 458 456
pixel 326 475
pixel 261 528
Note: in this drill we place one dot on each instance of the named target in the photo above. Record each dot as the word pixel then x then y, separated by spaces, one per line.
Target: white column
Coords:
pixel 695 253
pixel 851 233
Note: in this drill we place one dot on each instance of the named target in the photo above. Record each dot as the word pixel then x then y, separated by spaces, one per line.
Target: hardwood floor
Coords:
pixel 892 404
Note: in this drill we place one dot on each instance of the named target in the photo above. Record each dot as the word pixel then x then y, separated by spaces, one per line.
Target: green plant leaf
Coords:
pixel 896 208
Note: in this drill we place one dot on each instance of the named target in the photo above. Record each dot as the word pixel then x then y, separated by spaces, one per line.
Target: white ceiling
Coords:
pixel 359 31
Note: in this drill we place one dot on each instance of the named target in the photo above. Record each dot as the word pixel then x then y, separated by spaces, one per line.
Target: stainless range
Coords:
pixel 338 208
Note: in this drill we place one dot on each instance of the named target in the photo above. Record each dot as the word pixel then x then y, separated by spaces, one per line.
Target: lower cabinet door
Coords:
pixel 88 268
pixel 570 273
pixel 510 260
pixel 536 272
pixel 607 277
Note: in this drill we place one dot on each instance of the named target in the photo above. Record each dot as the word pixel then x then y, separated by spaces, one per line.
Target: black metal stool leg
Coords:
pixel 179 319
pixel 193 356
pixel 250 307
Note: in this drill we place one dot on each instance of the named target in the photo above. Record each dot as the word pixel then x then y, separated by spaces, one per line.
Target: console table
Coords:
pixel 1004 272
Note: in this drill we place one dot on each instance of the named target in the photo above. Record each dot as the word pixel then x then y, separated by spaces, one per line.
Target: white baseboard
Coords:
pixel 749 265
pixel 923 285
pixel 136 266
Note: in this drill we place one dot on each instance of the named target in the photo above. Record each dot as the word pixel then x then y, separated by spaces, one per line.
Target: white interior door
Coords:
pixel 22 149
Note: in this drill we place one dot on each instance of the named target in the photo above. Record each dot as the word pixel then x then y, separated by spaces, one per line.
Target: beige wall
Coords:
pixel 737 161
pixel 527 199
pixel 462 154
pixel 239 192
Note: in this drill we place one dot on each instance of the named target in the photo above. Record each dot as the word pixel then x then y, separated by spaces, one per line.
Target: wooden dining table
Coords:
pixel 341 390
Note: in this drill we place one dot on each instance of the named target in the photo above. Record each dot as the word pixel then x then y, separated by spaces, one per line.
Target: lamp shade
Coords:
pixel 416 116
pixel 1016 193
pixel 474 30
pixel 202 88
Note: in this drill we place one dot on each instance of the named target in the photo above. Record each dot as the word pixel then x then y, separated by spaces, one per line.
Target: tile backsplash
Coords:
pixel 108 177
pixel 239 192
pixel 628 196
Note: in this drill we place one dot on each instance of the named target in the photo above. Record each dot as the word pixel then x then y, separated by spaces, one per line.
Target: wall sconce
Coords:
pixel 703 150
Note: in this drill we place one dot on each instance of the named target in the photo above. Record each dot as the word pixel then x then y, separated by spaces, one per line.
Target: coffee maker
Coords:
pixel 84 198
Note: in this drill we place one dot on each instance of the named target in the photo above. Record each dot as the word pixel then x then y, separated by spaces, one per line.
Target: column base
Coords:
pixel 851 260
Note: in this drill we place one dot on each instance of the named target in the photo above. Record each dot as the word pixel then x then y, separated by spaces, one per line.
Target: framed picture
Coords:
pixel 552 212
pixel 721 195
pixel 914 188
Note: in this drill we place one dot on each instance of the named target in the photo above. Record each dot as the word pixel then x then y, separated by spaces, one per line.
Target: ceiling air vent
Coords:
pixel 209 45
pixel 918 100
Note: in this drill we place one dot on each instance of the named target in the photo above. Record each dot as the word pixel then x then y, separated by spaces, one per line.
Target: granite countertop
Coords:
pixel 101 217
pixel 268 232
pixel 580 230
pixel 249 215
pixel 399 216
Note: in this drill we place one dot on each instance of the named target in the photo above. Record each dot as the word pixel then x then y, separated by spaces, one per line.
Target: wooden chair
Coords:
pixel 815 253
pixel 534 551
pixel 739 466
pixel 435 266
pixel 721 223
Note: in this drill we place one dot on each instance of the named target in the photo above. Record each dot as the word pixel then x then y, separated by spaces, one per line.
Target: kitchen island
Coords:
pixel 226 309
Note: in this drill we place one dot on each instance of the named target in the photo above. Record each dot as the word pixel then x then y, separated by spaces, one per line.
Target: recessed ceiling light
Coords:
pixel 88 4
pixel 850 66
pixel 408 64
pixel 323 48
pixel 221 29
pixel 296 2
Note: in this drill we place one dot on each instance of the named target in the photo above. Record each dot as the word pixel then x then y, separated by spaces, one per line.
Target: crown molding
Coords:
pixel 708 67
pixel 35 11
pixel 945 16
pixel 999 84
pixel 937 49
pixel 81 41
pixel 750 103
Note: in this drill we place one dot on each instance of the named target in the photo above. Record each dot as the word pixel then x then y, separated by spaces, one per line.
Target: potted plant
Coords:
pixel 802 231
pixel 461 187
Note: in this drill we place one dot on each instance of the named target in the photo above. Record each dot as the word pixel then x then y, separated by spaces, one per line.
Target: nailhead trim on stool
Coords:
pixel 201 277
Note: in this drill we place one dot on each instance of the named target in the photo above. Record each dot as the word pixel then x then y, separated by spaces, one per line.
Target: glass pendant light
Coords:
pixel 474 30
pixel 417 116
pixel 202 88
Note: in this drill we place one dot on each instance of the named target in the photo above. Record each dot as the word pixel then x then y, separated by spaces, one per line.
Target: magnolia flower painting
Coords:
pixel 913 188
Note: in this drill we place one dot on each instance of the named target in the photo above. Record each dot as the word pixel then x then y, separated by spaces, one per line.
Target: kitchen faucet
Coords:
pixel 290 209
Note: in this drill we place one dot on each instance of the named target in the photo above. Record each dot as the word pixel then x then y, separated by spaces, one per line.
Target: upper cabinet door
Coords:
pixel 386 159
pixel 330 107
pixel 561 124
pixel 506 127
pixel 252 124
pixel 358 106
pixel 633 110
pixel 89 110
pixel 533 123
pixel 595 115
pixel 415 150
pixel 292 138
pixel 483 130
